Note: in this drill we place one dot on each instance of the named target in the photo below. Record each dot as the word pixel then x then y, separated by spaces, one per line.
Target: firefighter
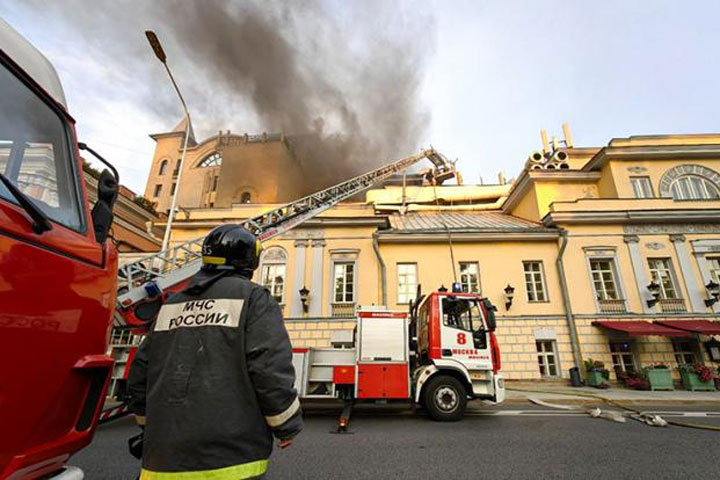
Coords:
pixel 213 380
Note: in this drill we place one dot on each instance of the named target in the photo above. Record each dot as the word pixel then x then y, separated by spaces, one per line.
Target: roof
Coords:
pixel 641 328
pixel 461 222
pixel 32 61
pixel 706 327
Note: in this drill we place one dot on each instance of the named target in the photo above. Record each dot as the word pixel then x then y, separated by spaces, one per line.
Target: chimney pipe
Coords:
pixel 555 143
pixel 544 138
pixel 501 178
pixel 568 136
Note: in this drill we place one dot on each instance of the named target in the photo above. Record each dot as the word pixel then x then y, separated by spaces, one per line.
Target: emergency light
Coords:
pixel 457 287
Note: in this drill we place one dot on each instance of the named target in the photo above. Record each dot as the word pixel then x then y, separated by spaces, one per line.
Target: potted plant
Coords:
pixel 697 377
pixel 596 375
pixel 659 377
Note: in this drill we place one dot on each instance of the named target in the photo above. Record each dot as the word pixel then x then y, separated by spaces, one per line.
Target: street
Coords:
pixel 515 441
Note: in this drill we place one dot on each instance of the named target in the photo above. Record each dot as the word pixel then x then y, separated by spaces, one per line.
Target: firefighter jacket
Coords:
pixel 214 380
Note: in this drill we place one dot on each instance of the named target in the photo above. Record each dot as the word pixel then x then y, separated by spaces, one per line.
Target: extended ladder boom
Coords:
pixel 154 273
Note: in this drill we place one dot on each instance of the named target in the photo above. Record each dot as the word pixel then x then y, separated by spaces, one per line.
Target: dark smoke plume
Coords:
pixel 342 79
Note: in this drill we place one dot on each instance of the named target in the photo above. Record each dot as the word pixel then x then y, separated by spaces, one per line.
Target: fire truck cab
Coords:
pixel 456 353
pixel 58 274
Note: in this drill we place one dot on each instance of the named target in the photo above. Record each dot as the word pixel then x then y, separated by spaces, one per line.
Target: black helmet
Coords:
pixel 231 245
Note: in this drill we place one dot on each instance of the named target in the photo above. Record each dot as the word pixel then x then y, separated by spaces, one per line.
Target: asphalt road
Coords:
pixel 515 442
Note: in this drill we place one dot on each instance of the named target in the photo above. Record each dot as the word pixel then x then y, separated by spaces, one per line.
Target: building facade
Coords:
pixel 584 254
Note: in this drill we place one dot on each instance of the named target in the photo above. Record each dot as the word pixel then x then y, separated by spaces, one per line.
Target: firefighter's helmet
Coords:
pixel 231 245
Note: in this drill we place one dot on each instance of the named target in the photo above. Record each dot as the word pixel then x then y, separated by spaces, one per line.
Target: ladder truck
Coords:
pixel 440 354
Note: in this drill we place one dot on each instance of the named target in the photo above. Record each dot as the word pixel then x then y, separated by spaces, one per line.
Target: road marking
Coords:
pixel 551 413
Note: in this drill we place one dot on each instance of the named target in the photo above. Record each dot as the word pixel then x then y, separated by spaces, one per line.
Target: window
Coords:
pixel 607 292
pixel 212 160
pixel 535 281
pixel 273 278
pixel 172 188
pixel 163 167
pixel 344 281
pixel 176 171
pixel 603 277
pixel 685 352
pixel 642 187
pixel 623 358
pixel 245 197
pixel 407 282
pixel 157 191
pixel 470 277
pixel 661 273
pixel 714 266
pixel 272 272
pixel 694 187
pixel 35 154
pixel 215 183
pixel 547 358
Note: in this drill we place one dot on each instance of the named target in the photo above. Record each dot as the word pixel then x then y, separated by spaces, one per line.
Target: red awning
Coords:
pixel 638 328
pixel 706 327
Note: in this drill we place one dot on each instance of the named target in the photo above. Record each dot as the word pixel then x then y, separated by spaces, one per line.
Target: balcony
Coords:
pixel 672 305
pixel 612 306
pixel 343 310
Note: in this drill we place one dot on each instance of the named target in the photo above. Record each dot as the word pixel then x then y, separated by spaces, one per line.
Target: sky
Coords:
pixel 495 74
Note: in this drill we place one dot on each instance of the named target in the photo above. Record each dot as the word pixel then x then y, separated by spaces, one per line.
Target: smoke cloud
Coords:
pixel 341 79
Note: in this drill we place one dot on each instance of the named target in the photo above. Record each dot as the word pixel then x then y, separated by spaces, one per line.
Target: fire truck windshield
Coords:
pixel 34 153
pixel 462 313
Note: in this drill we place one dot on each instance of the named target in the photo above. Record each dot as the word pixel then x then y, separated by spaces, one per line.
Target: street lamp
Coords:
pixel 160 54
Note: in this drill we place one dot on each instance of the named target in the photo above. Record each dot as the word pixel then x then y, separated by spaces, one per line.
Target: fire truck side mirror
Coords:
pixel 102 212
pixel 490 310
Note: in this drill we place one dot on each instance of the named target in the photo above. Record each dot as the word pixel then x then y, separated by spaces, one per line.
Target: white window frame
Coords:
pixel 275 255
pixel 534 282
pixel 619 355
pixel 613 272
pixel 713 265
pixel 345 301
pixel 266 269
pixel 671 273
pixel 642 187
pixel 694 191
pixel 681 353
pixel 407 291
pixel 542 357
pixel 467 284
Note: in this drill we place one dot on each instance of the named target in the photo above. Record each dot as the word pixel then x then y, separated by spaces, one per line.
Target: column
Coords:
pixel 316 268
pixel 699 250
pixel 296 310
pixel 641 279
pixel 695 294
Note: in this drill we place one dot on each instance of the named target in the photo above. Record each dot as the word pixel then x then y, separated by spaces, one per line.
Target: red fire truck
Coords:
pixel 439 356
pixel 58 274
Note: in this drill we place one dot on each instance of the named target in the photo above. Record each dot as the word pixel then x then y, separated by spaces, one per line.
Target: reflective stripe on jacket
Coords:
pixel 214 379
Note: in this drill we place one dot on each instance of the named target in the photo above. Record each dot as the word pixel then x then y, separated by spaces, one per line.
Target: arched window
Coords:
pixel 163 167
pixel 245 197
pixel 694 187
pixel 212 160
pixel 272 272
pixel 690 182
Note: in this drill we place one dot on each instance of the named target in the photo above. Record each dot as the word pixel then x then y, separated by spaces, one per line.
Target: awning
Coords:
pixel 639 328
pixel 706 327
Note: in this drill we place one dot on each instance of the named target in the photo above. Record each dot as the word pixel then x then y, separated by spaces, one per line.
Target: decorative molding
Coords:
pixel 302 234
pixel 706 246
pixel 689 216
pixel 654 228
pixel 655 245
pixel 274 254
pixel 677 237
pixel 318 243
pixel 690 169
pixel 545 334
pixel 637 170
pixel 301 243
pixel 441 237
pixel 631 239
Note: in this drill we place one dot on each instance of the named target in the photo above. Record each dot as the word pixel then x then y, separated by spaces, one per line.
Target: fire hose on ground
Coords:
pixel 652 420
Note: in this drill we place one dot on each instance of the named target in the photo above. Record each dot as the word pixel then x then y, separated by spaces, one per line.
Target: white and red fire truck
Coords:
pixel 438 356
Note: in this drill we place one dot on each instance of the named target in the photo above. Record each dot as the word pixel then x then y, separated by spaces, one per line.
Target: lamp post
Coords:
pixel 160 54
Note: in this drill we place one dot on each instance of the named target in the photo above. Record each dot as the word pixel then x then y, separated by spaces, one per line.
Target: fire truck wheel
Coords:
pixel 445 398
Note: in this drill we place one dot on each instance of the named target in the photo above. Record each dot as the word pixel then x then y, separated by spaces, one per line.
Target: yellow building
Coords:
pixel 626 235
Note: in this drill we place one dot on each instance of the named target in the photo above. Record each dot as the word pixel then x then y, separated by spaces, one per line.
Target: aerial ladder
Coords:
pixel 147 278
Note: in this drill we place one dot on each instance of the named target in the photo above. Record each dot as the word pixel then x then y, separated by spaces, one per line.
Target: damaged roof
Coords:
pixel 429 222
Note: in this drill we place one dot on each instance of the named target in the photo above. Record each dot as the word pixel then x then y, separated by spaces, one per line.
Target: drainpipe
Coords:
pixel 383 271
pixel 577 354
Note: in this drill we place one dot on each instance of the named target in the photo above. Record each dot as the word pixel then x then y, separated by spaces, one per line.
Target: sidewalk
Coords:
pixel 519 393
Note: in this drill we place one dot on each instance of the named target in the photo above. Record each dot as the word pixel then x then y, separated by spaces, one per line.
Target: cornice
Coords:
pixel 633 216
